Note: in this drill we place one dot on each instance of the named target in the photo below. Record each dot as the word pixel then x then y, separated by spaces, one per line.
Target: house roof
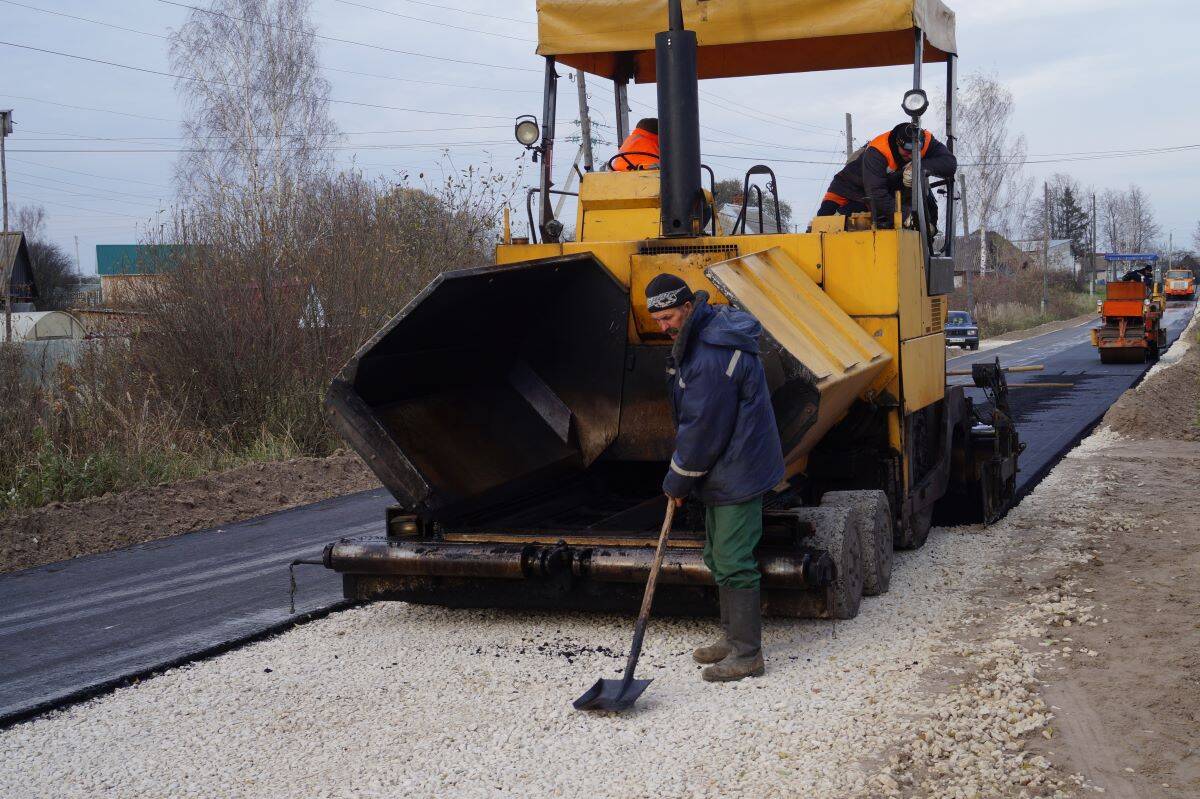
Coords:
pixel 15 266
pixel 1035 245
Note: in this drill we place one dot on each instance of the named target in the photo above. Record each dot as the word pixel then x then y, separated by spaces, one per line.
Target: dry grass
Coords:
pixel 1013 302
pixel 236 345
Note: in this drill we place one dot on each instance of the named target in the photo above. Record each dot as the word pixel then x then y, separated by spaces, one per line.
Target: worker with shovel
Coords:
pixel 727 454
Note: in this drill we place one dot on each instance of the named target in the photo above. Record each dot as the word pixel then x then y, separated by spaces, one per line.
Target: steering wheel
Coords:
pixel 632 166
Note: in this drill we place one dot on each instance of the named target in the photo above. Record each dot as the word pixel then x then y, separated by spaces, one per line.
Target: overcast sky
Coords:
pixel 1088 75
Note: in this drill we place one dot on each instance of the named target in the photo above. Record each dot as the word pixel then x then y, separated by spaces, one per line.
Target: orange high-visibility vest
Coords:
pixel 882 144
pixel 639 141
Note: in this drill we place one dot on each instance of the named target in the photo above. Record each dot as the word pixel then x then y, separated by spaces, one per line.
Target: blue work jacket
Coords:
pixel 727 448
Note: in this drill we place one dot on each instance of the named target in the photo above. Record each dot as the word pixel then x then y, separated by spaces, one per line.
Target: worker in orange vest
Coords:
pixel 640 148
pixel 874 173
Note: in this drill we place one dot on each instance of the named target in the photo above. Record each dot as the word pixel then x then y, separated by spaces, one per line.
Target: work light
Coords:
pixel 527 131
pixel 915 102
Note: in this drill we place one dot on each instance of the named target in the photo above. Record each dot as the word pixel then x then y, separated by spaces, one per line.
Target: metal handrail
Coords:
pixel 533 239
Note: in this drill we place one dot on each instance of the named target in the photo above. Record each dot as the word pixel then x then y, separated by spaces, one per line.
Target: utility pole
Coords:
pixel 1092 282
pixel 962 183
pixel 1045 242
pixel 5 129
pixel 849 137
pixel 585 121
pixel 77 270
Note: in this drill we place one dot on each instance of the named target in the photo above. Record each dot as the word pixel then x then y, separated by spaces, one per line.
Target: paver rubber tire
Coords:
pixel 835 530
pixel 873 515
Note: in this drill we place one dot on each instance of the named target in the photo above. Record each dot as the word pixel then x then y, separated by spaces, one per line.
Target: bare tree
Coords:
pixel 1196 238
pixel 992 157
pixel 1127 220
pixel 31 220
pixel 257 119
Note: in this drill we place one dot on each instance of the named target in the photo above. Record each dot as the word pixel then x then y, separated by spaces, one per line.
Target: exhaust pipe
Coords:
pixel 682 199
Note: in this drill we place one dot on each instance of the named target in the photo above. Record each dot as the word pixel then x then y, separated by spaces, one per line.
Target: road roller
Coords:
pixel 1131 328
pixel 517 410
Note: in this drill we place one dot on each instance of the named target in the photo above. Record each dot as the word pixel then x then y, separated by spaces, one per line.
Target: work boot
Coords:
pixel 714 653
pixel 744 635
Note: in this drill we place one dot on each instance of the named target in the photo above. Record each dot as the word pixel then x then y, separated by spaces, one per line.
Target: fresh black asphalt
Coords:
pixel 70 629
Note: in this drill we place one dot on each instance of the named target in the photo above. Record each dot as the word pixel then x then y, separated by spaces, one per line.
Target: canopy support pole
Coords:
pixel 918 183
pixel 951 144
pixel 549 111
pixel 621 93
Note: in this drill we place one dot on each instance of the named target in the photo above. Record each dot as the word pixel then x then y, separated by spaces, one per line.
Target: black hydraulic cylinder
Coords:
pixel 681 197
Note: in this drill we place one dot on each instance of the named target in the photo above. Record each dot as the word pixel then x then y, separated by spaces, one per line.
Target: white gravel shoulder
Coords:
pixel 394 699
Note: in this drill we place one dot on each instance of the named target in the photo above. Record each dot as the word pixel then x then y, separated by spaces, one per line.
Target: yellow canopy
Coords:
pixel 615 38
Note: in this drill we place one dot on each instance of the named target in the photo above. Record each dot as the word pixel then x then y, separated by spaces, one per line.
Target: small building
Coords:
pixel 128 270
pixel 16 272
pixel 1061 259
pixel 45 326
pixel 1002 257
pixel 137 259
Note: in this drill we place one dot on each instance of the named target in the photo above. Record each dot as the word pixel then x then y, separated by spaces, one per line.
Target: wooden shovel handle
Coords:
pixel 639 631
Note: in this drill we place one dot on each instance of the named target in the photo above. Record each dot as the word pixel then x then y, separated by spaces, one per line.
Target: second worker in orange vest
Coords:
pixel 874 174
pixel 640 148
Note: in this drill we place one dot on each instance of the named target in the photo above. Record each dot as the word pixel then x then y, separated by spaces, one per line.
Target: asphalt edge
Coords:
pixel 104 687
pixel 1094 423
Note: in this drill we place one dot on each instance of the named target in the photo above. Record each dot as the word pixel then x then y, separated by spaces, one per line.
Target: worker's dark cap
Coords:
pixel 667 291
pixel 903 135
pixel 649 124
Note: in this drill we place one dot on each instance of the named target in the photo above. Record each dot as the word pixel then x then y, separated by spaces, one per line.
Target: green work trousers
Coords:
pixel 732 533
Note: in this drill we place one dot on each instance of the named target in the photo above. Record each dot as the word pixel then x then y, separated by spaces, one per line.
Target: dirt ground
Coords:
pixel 1089 640
pixel 64 530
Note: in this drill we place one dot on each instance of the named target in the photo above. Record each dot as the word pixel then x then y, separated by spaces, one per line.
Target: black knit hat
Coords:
pixel 649 124
pixel 903 135
pixel 667 291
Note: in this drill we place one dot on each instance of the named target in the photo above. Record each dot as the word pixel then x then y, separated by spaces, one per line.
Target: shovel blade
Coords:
pixel 613 695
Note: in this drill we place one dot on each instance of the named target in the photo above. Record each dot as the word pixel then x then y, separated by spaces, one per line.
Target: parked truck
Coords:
pixel 517 410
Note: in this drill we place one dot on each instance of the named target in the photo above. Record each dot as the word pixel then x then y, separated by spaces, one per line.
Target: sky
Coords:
pixel 94 143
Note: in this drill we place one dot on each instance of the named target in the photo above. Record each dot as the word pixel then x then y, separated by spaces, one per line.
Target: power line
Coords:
pixel 136 139
pixel 432 82
pixel 94 175
pixel 106 198
pixel 348 41
pixel 106 191
pixel 353 148
pixel 328 69
pixel 236 85
pixel 89 108
pixel 807 127
pixel 466 11
pixel 83 19
pixel 1107 155
pixel 433 22
pixel 44 201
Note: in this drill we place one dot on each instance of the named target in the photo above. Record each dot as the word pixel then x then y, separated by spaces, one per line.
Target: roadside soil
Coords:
pixel 1087 644
pixel 64 530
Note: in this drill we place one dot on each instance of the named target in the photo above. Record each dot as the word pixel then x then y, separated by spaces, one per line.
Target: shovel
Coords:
pixel 617 695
